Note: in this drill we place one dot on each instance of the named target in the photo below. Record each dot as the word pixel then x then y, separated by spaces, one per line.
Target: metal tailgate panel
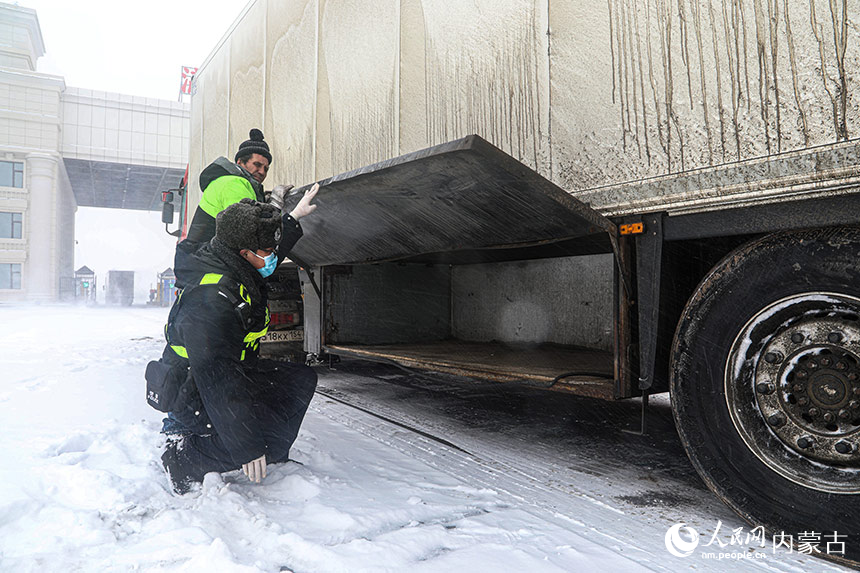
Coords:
pixel 459 196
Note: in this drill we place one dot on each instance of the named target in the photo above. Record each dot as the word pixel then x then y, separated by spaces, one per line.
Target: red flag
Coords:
pixel 187 75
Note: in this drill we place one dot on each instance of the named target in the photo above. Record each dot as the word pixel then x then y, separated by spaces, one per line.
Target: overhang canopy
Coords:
pixel 459 202
pixel 120 185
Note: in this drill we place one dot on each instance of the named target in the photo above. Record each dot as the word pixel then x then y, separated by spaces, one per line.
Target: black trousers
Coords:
pixel 286 390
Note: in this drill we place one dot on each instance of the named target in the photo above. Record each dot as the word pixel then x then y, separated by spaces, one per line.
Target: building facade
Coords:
pixel 37 206
pixel 61 147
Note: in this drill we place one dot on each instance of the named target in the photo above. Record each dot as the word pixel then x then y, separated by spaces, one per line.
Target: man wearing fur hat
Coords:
pixel 228 409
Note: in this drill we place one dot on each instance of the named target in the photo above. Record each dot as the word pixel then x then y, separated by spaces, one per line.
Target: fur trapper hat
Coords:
pixel 250 225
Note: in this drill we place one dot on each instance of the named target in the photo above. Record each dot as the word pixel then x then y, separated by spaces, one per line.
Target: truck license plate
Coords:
pixel 296 335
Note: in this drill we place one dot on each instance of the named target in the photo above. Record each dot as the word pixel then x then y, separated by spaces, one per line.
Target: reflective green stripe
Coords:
pixel 252 336
pixel 180 350
pixel 210 279
pixel 244 293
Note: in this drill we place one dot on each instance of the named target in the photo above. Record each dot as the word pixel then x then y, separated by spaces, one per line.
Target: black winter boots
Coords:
pixel 179 467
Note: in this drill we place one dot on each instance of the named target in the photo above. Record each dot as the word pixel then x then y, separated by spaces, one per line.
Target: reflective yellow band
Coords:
pixel 180 350
pixel 210 279
pixel 252 336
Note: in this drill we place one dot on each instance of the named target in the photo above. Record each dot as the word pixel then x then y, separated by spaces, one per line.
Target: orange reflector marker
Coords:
pixel 632 229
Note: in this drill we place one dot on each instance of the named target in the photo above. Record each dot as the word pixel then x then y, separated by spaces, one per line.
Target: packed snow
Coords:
pixel 82 488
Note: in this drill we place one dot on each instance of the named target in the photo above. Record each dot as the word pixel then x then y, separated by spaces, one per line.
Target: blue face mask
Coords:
pixel 271 261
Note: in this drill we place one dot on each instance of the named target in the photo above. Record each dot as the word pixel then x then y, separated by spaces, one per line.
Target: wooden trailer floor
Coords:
pixel 591 371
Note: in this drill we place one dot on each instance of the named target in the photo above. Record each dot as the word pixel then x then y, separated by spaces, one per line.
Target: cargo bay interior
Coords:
pixel 449 317
pixel 487 270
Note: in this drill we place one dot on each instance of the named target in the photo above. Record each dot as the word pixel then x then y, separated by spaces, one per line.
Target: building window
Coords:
pixel 12 174
pixel 10 225
pixel 10 275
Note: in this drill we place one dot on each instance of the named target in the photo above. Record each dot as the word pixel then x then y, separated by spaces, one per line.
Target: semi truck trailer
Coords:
pixel 609 199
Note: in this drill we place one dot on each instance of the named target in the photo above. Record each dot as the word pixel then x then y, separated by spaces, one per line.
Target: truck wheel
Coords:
pixel 765 383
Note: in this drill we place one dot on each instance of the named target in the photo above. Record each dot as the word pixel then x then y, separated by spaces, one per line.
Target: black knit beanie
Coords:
pixel 250 225
pixel 254 145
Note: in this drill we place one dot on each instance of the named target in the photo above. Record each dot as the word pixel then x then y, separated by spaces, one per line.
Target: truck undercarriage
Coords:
pixel 460 259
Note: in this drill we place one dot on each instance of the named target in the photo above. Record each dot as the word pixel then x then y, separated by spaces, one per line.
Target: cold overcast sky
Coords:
pixel 136 48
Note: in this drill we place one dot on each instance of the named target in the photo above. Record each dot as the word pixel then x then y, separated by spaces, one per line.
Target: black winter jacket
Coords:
pixel 217 396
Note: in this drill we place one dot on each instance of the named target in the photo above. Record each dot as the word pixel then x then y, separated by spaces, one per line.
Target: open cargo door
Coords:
pixel 447 202
pixel 454 206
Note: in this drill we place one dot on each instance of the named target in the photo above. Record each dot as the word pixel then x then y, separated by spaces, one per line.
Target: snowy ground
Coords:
pixel 82 489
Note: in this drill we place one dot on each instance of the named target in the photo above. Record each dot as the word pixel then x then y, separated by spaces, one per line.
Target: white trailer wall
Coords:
pixel 566 300
pixel 588 93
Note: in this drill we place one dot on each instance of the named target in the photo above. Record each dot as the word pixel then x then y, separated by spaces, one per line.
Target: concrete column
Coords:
pixel 40 275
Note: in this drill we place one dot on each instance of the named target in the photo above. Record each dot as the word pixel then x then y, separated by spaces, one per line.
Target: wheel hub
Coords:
pixel 816 383
pixel 794 389
pixel 828 390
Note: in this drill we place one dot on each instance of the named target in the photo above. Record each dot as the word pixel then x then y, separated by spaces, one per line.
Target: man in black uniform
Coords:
pixel 226 408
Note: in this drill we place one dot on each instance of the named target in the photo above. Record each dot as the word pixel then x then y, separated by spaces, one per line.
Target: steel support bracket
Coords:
pixel 649 250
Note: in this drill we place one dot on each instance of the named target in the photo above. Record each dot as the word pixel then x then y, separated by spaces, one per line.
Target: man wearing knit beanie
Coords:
pixel 254 146
pixel 224 182
pixel 226 408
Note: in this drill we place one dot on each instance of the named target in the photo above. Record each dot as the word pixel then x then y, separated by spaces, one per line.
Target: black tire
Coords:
pixel 740 405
